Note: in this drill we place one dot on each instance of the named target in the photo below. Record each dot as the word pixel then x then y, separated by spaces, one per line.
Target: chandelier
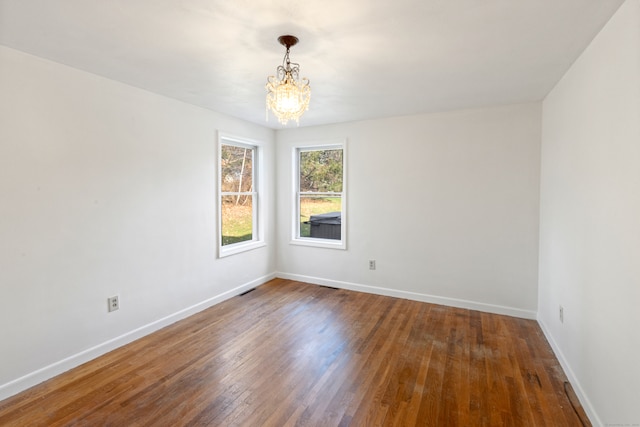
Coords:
pixel 287 94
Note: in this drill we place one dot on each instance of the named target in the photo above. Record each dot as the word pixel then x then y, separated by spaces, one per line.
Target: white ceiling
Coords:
pixel 365 58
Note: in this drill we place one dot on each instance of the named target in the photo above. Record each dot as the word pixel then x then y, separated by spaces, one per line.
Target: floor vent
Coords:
pixel 246 292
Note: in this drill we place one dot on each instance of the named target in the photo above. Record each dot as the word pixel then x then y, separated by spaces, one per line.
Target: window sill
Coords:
pixel 320 243
pixel 238 248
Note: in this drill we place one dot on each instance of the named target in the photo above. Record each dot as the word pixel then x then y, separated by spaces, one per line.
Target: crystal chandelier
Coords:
pixel 287 94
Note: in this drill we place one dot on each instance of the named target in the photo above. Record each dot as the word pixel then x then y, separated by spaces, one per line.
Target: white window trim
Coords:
pixel 258 190
pixel 295 211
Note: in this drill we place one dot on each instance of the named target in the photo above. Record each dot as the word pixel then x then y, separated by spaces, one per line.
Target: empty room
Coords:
pixel 321 213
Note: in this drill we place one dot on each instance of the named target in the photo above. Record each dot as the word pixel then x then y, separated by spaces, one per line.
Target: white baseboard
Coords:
pixel 582 396
pixel 414 296
pixel 20 384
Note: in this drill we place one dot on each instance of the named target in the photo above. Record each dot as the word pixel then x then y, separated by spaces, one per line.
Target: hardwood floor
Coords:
pixel 290 354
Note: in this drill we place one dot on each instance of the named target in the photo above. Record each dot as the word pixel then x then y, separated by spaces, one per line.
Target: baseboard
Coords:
pixel 414 296
pixel 20 384
pixel 575 383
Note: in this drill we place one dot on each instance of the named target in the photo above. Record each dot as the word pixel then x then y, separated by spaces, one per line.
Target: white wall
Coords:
pixel 105 189
pixel 447 204
pixel 590 221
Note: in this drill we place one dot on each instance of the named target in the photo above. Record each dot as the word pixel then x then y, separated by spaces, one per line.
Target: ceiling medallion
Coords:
pixel 287 94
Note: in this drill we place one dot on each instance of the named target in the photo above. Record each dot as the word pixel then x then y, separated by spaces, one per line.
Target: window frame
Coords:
pixel 296 239
pixel 257 235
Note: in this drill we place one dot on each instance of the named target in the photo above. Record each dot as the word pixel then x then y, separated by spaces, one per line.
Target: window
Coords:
pixel 320 203
pixel 239 196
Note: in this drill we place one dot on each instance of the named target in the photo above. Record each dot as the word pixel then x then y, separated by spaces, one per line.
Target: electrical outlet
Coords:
pixel 561 314
pixel 113 303
pixel 372 264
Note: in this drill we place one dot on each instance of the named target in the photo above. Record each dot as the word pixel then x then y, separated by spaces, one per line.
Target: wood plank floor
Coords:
pixel 291 353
